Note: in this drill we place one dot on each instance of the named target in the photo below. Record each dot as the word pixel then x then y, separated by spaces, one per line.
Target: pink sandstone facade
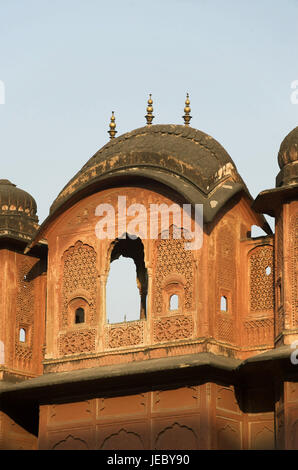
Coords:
pixel 217 371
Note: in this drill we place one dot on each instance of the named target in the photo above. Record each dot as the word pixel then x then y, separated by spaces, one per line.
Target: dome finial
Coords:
pixel 149 116
pixel 112 130
pixel 187 110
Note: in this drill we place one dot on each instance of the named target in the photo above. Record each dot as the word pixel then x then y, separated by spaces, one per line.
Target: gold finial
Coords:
pixel 112 130
pixel 187 110
pixel 149 116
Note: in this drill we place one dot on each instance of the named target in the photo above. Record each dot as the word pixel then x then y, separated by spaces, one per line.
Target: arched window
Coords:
pixel 174 302
pixel 22 335
pixel 223 304
pixel 80 315
pixel 78 310
pixel 126 289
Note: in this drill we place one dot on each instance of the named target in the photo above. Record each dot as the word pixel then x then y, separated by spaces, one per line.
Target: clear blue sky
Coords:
pixel 67 64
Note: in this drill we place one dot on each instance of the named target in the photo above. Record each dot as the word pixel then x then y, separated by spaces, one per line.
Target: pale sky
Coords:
pixel 66 64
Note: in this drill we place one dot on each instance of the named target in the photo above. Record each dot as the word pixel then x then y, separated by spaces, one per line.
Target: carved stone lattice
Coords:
pixel 226 275
pixel 172 258
pixel 25 310
pixel 226 259
pixel 77 342
pixel 294 263
pixel 173 328
pixel 225 328
pixel 124 335
pixel 279 246
pixel 259 332
pixel 279 274
pixel 79 273
pixel 261 283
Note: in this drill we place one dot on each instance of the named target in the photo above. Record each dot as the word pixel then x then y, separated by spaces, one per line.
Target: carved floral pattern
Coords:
pixel 226 275
pixel 294 261
pixel 279 246
pixel 25 309
pixel 79 272
pixel 172 257
pixel 259 332
pixel 173 328
pixel 279 274
pixel 226 259
pixel 124 335
pixel 225 328
pixel 261 283
pixel 77 342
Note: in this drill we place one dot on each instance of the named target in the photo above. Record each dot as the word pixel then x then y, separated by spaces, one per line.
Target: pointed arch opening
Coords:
pixel 127 283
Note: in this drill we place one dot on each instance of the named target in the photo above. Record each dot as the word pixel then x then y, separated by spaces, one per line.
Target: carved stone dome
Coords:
pixel 288 160
pixel 18 219
pixel 15 200
pixel 180 159
pixel 183 158
pixel 288 151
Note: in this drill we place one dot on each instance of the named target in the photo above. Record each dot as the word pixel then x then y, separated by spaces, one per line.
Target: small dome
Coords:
pixel 288 152
pixel 14 200
pixel 18 219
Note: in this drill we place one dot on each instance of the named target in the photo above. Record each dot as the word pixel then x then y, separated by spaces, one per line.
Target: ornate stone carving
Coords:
pixel 176 437
pixel 71 443
pixel 259 331
pixel 79 273
pixel 172 328
pixel 25 309
pixel 294 268
pixel 279 246
pixel 226 259
pixel 123 440
pixel 261 282
pixel 279 273
pixel 225 328
pixel 172 258
pixel 226 275
pixel 75 342
pixel 122 335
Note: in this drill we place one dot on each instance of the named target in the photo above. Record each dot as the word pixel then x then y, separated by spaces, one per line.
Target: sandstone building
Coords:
pixel 216 370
